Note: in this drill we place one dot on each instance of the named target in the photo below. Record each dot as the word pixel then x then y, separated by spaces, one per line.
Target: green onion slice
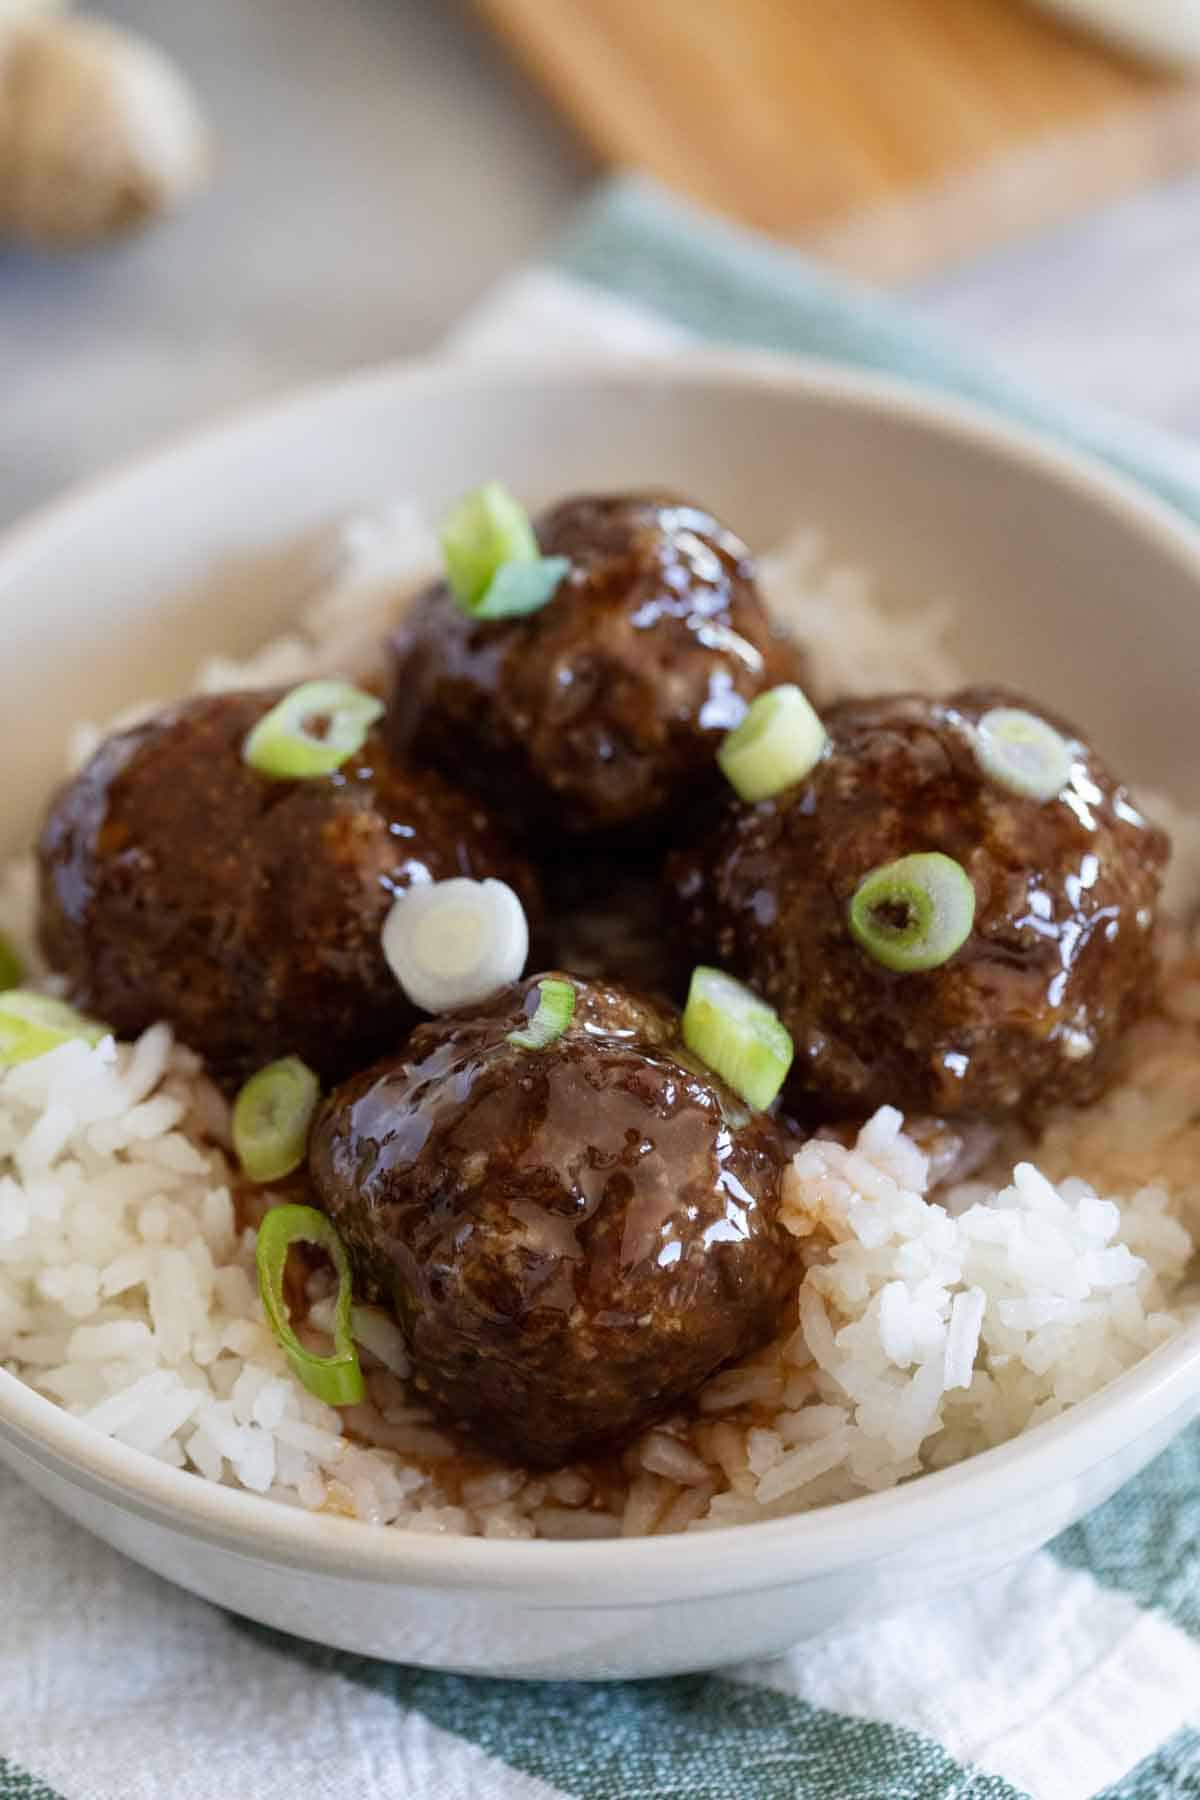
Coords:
pixel 555 1010
pixel 776 745
pixel 1023 753
pixel 271 1119
pixel 11 968
pixel 336 1379
pixel 312 731
pixel 32 1024
pixel 487 529
pixel 913 914
pixel 521 587
pixel 452 943
pixel 737 1035
pixel 492 560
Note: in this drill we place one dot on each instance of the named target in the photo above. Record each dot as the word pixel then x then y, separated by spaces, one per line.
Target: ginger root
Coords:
pixel 99 134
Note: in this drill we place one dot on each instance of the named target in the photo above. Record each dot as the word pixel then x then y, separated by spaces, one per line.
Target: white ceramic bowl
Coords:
pixel 1071 582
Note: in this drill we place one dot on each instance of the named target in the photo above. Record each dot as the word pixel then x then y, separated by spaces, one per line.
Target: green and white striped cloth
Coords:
pixel 1074 1676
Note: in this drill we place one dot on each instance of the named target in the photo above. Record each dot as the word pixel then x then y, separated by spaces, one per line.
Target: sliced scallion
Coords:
pixel 452 943
pixel 1023 753
pixel 737 1035
pixel 271 1119
pixel 32 1024
pixel 521 587
pixel 336 1379
pixel 913 914
pixel 777 744
pixel 492 560
pixel 312 731
pixel 11 968
pixel 555 1010
pixel 486 529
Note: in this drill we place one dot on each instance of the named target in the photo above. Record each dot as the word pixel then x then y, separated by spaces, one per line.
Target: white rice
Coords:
pixel 932 1323
pixel 853 645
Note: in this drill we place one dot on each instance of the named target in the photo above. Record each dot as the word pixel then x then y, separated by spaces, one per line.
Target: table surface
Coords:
pixel 381 165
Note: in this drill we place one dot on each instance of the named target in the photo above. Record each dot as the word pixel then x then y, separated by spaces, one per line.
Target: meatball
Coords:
pixel 177 883
pixel 573 1239
pixel 1060 959
pixel 604 709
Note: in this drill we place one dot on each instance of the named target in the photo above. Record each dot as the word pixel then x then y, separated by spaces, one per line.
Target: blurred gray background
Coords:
pixel 382 164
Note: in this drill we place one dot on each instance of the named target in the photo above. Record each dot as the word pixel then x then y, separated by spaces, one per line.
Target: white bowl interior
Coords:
pixel 1070 585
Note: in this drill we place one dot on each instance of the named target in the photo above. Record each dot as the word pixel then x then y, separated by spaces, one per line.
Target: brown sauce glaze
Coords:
pixel 573 1239
pixel 177 883
pixel 604 709
pixel 1029 1012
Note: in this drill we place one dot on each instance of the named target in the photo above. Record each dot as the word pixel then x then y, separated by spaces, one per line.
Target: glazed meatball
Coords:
pixel 573 1239
pixel 1059 961
pixel 178 883
pixel 604 709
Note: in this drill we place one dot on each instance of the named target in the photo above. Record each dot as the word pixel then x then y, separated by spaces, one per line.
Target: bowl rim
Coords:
pixel 1164 1383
